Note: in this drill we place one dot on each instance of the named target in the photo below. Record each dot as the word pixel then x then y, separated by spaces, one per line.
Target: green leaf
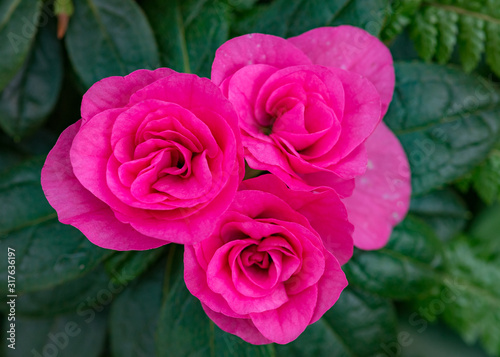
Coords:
pixel 33 92
pixel 447 122
pixel 443 210
pixel 67 297
pixel 424 33
pixel 127 266
pixel 356 316
pixel 185 330
pixel 471 39
pixel 47 252
pixel 404 268
pixel 484 234
pixel 447 34
pixel 284 18
pixel 486 178
pixel 474 311
pixel 109 38
pixel 12 153
pixel 478 26
pixel 63 336
pixel 18 26
pixel 493 46
pixel 400 16
pixel 140 303
pixel 188 32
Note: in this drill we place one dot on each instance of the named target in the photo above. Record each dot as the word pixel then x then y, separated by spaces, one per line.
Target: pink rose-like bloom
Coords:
pixel 307 105
pixel 155 158
pixel 272 265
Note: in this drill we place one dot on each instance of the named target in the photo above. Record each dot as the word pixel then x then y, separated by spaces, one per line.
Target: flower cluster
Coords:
pixel 158 157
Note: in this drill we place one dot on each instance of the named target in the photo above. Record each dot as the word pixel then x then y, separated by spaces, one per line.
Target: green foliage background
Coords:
pixel 440 271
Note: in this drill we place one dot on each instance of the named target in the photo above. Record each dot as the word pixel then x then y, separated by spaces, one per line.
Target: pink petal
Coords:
pixel 219 280
pixel 193 228
pixel 243 328
pixel 196 282
pixel 324 210
pixel 286 323
pixel 330 286
pixel 77 206
pixel 115 92
pixel 361 117
pixel 254 49
pixel 382 195
pixel 353 49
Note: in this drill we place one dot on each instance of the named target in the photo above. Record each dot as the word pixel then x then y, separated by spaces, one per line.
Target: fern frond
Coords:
pixel 438 26
pixel 447 35
pixel 424 33
pixel 493 46
pixel 471 41
pixel 401 13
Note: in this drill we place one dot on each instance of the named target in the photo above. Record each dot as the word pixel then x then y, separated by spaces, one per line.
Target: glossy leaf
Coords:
pixel 69 335
pixel 359 324
pixel 474 310
pixel 284 18
pixel 18 27
pixel 109 38
pixel 67 297
pixel 404 269
pixel 444 210
pixel 127 266
pixel 134 315
pixel 47 252
pixel 447 121
pixel 185 330
pixel 189 32
pixel 32 94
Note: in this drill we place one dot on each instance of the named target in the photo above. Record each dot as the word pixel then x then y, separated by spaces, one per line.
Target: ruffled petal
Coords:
pixel 382 195
pixel 84 210
pixel 254 49
pixel 352 49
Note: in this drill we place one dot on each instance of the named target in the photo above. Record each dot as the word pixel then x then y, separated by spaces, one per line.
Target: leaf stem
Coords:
pixel 463 11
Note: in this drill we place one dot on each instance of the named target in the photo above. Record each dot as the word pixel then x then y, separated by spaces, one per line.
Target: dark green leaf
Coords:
pixel 109 38
pixel 474 309
pixel 18 26
pixel 484 234
pixel 447 121
pixel 486 177
pixel 63 336
pixel 284 18
pixel 47 252
pixel 421 339
pixel 140 303
pixel 32 94
pixel 405 268
pixel 12 153
pixel 359 324
pixel 443 210
pixel 67 297
pixel 188 32
pixel 185 330
pixel 129 265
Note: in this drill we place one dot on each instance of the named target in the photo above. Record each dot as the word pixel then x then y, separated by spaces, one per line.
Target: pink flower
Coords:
pixel 156 158
pixel 265 273
pixel 308 105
